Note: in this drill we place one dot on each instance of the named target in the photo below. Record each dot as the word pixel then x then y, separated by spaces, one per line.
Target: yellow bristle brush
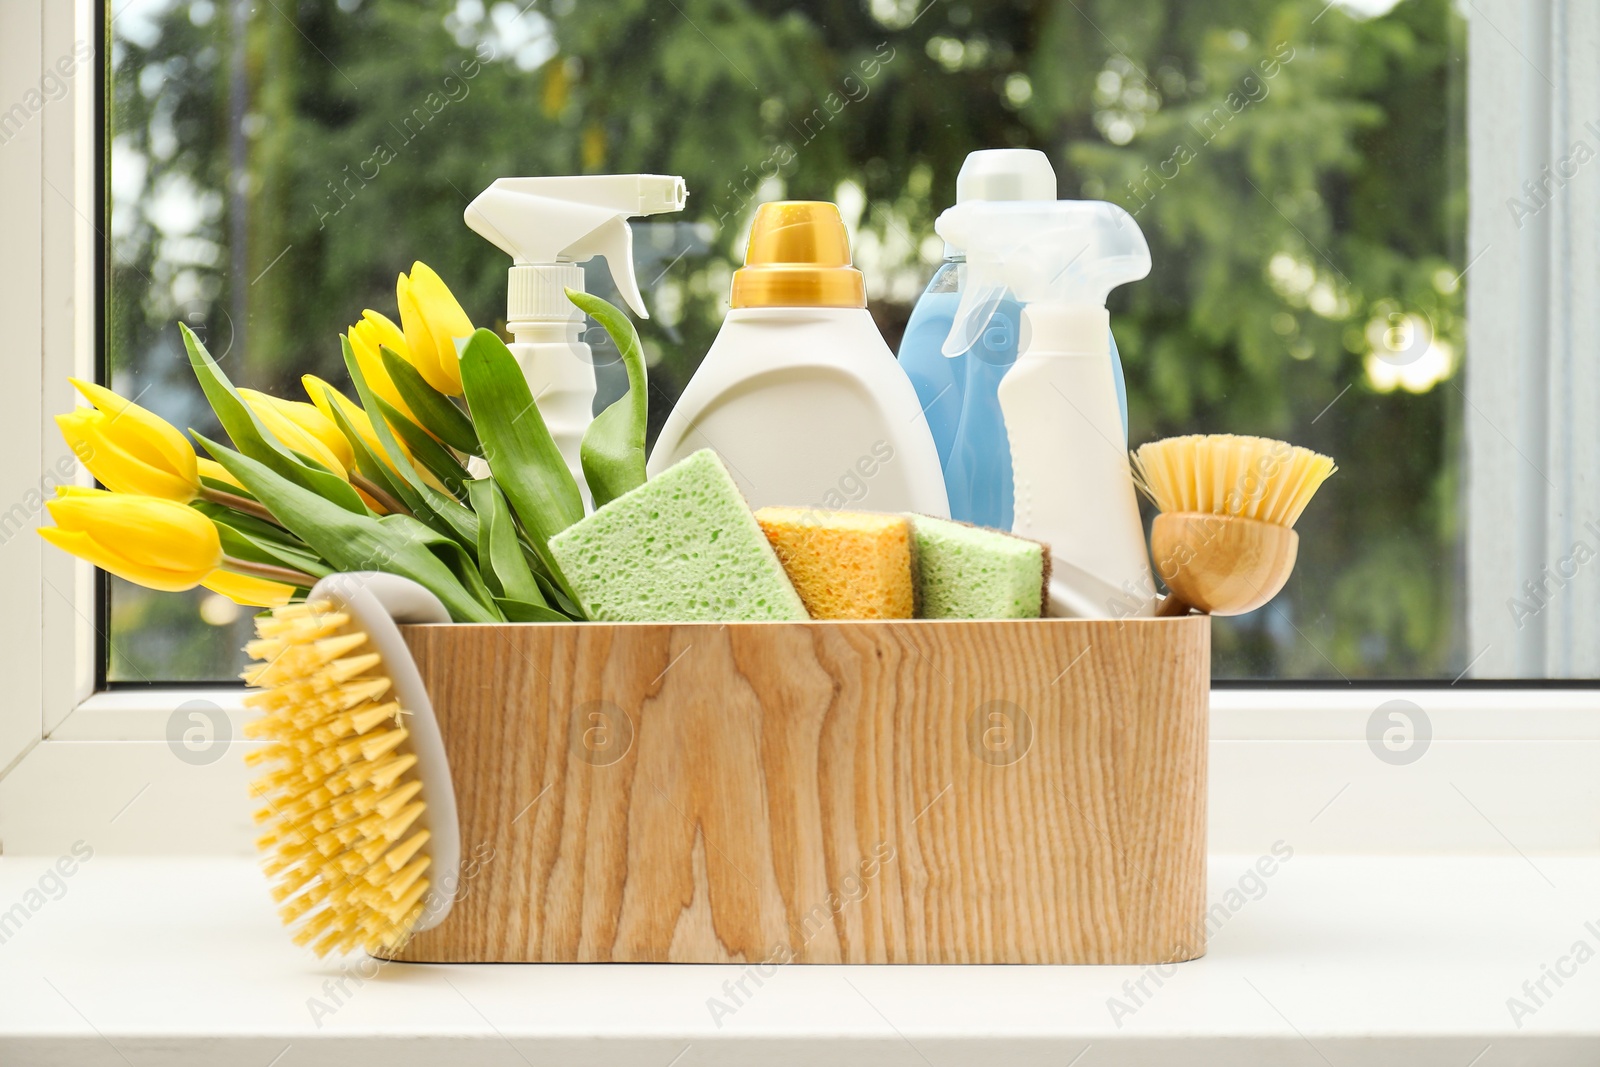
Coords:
pixel 360 812
pixel 1224 542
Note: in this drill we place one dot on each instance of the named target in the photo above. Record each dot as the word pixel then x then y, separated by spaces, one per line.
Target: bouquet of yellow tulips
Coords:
pixel 381 482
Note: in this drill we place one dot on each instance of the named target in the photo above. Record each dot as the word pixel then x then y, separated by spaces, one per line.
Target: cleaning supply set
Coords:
pixel 790 678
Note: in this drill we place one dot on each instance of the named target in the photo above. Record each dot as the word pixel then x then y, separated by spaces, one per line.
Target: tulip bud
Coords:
pixel 128 448
pixel 366 337
pixel 286 425
pixel 313 422
pixel 153 542
pixel 319 391
pixel 432 320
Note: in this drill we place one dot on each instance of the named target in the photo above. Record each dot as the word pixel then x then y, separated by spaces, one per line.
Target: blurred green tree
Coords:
pixel 1298 170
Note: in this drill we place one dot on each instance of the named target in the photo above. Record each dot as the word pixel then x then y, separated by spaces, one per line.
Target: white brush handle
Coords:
pixel 376 602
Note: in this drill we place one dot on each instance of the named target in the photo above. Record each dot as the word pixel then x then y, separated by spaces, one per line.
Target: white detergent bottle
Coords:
pixel 799 394
pixel 550 227
pixel 1073 485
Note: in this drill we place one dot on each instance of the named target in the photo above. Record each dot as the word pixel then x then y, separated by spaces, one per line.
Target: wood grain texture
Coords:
pixel 857 792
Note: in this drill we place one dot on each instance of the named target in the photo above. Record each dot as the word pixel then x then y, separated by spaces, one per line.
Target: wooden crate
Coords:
pixel 825 792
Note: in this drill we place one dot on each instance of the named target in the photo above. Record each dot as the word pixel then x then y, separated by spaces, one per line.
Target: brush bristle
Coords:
pixel 1221 474
pixel 341 794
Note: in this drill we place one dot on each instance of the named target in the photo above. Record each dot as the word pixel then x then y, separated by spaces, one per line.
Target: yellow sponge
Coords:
pixel 844 564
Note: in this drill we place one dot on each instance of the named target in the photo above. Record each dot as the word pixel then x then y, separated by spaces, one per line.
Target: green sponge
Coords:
pixel 683 547
pixel 968 572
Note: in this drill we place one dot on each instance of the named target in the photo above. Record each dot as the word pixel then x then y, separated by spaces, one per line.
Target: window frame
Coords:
pixel 50 652
pixel 1531 93
pixel 48 657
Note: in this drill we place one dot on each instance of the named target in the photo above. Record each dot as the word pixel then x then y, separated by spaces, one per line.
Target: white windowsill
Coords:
pixel 1341 960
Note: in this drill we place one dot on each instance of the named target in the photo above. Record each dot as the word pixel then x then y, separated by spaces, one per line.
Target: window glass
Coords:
pixel 1297 167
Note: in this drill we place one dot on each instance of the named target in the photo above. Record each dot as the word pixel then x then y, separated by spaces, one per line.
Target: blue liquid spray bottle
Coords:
pixel 960 394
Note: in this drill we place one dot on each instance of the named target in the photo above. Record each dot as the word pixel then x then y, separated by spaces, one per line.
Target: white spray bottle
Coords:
pixel 550 226
pixel 1074 489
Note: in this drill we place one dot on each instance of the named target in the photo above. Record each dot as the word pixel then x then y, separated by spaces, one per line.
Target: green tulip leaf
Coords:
pixel 380 426
pixel 430 453
pixel 260 529
pixel 454 519
pixel 499 553
pixel 522 455
pixel 371 467
pixel 352 542
pixel 613 446
pixel 518 611
pixel 554 594
pixel 434 411
pixel 462 523
pixel 240 545
pixel 252 438
pixel 457 558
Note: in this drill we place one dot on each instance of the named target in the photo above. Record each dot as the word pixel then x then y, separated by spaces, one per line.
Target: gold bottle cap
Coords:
pixel 799 257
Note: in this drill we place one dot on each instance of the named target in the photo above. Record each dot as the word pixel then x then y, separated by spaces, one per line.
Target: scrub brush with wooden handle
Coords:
pixel 1224 542
pixel 359 807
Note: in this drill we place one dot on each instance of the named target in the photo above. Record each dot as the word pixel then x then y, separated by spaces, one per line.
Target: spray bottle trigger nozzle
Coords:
pixel 978 305
pixel 612 239
pixel 549 224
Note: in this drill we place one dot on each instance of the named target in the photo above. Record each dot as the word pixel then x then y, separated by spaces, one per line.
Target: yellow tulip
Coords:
pixel 249 591
pixel 313 422
pixel 319 391
pixel 365 337
pixel 432 320
pixel 154 542
pixel 287 427
pixel 128 448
